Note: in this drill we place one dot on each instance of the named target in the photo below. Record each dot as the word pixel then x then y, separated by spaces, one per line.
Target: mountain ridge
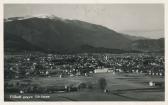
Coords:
pixel 59 34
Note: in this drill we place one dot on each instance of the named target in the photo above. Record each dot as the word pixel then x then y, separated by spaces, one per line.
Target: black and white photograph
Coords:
pixel 84 52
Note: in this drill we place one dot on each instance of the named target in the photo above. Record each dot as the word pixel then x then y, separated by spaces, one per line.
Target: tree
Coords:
pixel 102 83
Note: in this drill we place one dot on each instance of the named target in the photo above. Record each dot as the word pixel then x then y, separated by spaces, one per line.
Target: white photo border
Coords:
pixel 2 2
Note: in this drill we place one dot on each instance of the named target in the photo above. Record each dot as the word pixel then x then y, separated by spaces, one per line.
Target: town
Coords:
pixel 21 70
pixel 21 66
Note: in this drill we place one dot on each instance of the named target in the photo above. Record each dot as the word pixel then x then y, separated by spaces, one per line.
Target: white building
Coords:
pixel 151 83
pixel 104 70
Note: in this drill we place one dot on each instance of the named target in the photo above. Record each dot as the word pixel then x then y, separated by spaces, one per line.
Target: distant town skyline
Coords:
pixel 144 20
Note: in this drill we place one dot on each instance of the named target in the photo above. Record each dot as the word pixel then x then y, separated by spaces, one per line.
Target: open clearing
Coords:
pixel 122 87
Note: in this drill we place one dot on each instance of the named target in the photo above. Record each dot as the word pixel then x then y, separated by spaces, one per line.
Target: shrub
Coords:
pixel 102 83
pixel 82 85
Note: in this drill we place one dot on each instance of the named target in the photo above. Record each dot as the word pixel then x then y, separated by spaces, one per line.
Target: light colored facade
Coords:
pixel 104 70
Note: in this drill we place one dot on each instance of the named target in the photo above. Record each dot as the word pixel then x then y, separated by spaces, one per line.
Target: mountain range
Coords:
pixel 54 34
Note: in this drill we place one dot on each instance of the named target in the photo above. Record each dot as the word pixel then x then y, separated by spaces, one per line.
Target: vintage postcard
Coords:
pixel 106 52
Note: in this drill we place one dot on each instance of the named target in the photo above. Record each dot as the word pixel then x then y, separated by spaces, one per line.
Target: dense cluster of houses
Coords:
pixel 62 66
pixel 22 66
pixel 148 64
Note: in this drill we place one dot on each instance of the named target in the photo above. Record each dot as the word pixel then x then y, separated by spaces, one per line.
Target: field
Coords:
pixel 122 87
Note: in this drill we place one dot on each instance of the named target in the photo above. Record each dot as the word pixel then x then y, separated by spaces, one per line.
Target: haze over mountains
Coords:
pixel 51 33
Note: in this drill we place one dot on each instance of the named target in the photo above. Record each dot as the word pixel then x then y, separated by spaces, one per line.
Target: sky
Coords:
pixel 146 20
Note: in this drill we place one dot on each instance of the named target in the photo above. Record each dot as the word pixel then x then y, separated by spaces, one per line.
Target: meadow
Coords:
pixel 121 87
